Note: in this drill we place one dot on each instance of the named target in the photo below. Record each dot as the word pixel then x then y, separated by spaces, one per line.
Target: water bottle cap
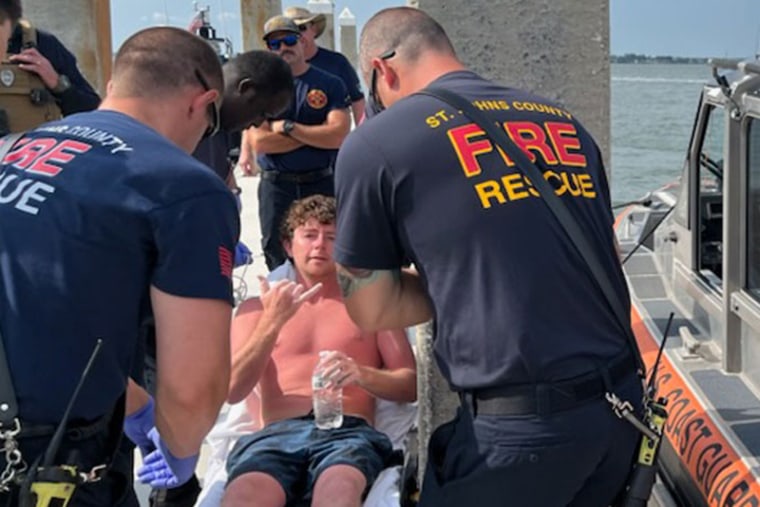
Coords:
pixel 324 353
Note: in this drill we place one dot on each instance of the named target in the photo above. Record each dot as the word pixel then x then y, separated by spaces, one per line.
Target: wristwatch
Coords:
pixel 287 127
pixel 61 85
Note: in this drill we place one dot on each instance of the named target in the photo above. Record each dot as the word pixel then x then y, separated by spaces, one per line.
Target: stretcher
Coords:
pixel 393 419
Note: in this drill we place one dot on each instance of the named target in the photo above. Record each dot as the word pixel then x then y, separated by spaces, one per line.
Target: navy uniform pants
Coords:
pixel 578 457
pixel 275 197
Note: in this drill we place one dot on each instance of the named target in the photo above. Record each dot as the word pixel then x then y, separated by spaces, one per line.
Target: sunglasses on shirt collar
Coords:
pixel 289 40
pixel 375 103
pixel 213 109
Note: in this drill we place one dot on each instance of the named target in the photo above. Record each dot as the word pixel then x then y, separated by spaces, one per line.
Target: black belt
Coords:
pixel 543 399
pixel 73 432
pixel 297 177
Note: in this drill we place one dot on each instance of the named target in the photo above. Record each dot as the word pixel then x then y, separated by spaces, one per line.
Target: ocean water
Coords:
pixel 652 113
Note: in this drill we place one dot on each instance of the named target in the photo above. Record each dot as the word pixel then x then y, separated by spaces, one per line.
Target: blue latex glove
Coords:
pixel 161 469
pixel 243 254
pixel 137 426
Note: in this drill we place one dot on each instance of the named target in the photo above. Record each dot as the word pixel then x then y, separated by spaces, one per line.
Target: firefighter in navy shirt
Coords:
pixel 296 152
pixel 103 216
pixel 521 330
pixel 257 85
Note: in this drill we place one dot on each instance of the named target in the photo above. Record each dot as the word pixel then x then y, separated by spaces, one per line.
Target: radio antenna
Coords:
pixel 653 375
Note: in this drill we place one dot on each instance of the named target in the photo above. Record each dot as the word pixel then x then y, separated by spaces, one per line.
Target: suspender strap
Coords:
pixel 28 34
pixel 8 404
pixel 573 230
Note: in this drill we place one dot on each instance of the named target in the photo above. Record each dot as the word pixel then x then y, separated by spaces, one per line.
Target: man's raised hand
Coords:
pixel 283 298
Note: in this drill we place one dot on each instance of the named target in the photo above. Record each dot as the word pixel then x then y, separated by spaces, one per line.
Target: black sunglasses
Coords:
pixel 213 110
pixel 375 103
pixel 289 40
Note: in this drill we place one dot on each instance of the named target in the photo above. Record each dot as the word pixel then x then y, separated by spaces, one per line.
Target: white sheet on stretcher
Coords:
pixel 393 419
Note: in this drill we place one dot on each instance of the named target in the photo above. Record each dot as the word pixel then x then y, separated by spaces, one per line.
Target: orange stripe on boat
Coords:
pixel 715 466
pixel 620 216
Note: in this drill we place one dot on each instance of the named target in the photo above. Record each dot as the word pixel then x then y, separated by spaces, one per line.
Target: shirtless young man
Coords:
pixel 276 341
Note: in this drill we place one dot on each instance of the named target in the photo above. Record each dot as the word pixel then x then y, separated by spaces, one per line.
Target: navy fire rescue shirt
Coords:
pixel 337 64
pixel 514 302
pixel 316 94
pixel 94 209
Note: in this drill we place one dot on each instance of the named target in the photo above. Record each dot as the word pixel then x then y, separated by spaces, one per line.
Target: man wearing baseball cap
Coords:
pixel 312 26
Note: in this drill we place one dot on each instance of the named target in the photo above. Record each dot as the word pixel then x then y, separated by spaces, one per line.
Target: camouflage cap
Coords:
pixel 280 24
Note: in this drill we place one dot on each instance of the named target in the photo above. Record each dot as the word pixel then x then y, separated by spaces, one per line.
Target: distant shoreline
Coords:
pixel 634 58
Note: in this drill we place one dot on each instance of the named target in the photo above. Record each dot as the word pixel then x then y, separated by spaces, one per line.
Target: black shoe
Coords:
pixel 181 496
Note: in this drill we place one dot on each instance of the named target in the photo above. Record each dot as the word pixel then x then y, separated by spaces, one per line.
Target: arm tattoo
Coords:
pixel 353 279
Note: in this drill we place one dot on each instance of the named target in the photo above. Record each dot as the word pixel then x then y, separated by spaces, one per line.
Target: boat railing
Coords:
pixel 750 67
pixel 724 63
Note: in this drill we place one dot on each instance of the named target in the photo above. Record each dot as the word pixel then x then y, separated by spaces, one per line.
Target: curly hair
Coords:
pixel 319 207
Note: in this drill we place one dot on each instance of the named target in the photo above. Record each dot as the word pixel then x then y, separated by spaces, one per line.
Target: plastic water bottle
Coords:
pixel 327 401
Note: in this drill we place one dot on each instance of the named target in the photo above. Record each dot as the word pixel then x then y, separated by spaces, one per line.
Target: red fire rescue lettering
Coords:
pixel 555 142
pixel 45 155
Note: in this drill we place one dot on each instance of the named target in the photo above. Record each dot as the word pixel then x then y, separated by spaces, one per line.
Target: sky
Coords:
pixel 128 16
pixel 700 28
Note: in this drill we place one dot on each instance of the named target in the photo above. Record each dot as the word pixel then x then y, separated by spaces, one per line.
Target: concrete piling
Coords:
pixel 253 15
pixel 84 27
pixel 348 41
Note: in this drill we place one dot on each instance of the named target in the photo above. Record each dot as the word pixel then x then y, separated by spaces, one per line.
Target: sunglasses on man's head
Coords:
pixel 289 40
pixel 376 104
pixel 213 110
